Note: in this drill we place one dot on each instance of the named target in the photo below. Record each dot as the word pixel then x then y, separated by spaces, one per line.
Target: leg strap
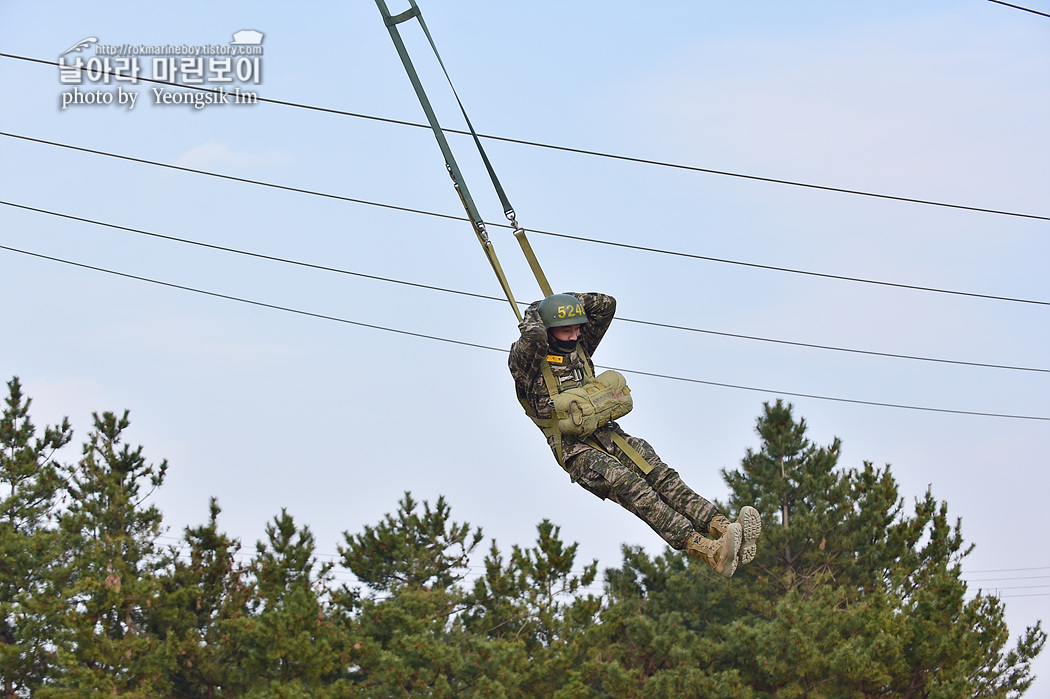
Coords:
pixel 626 448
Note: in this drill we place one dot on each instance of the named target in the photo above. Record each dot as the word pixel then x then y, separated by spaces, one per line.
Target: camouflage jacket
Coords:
pixel 532 348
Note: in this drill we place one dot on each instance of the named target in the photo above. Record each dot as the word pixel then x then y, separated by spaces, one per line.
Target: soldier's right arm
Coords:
pixel 529 351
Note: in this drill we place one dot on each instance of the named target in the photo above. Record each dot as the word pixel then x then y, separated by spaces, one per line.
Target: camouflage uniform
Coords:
pixel 661 499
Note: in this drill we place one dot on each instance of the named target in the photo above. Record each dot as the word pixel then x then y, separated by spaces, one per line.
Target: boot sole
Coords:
pixel 751 524
pixel 735 535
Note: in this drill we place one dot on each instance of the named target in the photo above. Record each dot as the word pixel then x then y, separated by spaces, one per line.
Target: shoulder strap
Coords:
pixel 588 367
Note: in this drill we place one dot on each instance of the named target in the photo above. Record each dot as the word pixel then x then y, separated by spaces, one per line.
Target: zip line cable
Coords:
pixel 463 343
pixel 429 287
pixel 598 241
pixel 579 151
pixel 1018 7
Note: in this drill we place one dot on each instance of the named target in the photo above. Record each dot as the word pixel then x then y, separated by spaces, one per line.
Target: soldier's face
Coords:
pixel 566 333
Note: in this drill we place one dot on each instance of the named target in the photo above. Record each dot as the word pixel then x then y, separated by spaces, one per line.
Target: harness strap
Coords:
pixel 626 448
pixel 450 162
pixel 550 425
pixel 508 210
pixel 457 177
pixel 526 248
pixel 588 371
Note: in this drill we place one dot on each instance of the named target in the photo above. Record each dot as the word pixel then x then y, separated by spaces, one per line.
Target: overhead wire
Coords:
pixel 582 151
pixel 1006 570
pixel 430 287
pixel 1018 7
pixel 299 190
pixel 671 377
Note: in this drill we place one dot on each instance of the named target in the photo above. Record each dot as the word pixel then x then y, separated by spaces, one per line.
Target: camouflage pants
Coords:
pixel 661 499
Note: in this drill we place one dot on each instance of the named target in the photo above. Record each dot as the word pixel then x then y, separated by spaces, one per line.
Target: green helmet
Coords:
pixel 560 310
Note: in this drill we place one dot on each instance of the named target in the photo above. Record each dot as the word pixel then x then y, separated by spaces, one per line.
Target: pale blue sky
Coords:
pixel 943 101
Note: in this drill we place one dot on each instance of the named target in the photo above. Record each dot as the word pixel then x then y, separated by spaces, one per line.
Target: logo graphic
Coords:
pixel 82 44
pixel 248 37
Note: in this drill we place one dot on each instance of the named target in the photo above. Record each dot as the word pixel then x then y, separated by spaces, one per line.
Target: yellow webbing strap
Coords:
pixel 534 263
pixel 587 370
pixel 631 453
pixel 550 426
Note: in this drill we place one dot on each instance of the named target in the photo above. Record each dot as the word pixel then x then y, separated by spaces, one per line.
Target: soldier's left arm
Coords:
pixel 600 310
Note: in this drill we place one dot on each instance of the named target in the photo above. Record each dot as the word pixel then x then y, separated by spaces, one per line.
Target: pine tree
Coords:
pixel 851 595
pixel 534 608
pixel 111 569
pixel 865 596
pixel 411 550
pixel 535 596
pixel 293 647
pixel 409 641
pixel 29 544
pixel 204 616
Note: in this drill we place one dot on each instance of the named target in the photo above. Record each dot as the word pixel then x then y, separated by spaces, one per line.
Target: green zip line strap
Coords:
pixel 450 161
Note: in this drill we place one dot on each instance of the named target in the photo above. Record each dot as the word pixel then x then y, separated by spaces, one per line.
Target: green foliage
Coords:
pixel 407 550
pixel 29 544
pixel 853 593
pixel 849 596
pixel 110 569
pixel 408 637
pixel 292 647
pixel 534 598
pixel 204 615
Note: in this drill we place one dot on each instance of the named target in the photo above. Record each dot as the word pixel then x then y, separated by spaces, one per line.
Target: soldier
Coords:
pixel 555 382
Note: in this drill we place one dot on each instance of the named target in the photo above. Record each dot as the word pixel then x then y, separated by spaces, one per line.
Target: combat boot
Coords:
pixel 721 555
pixel 751 524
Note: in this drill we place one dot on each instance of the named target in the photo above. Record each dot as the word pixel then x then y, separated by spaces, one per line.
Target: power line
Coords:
pixel 1018 7
pixel 582 151
pixel 257 303
pixel 504 351
pixel 429 287
pixel 1006 570
pixel 299 190
pixel 837 349
pixel 838 277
